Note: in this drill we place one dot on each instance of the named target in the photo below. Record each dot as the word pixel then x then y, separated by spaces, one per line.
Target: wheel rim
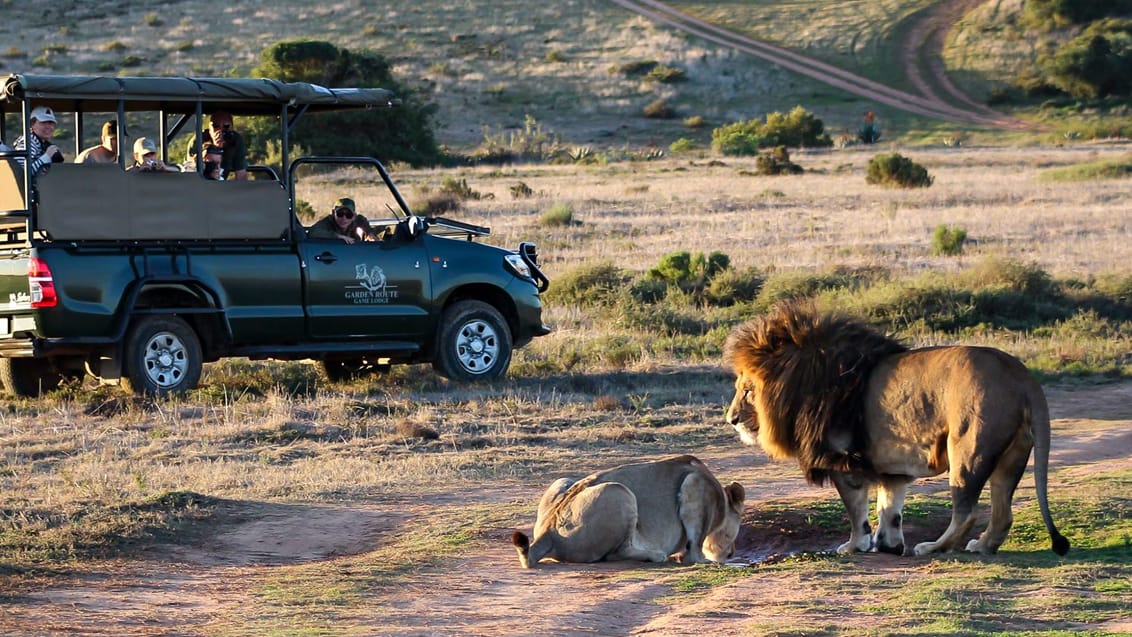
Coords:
pixel 166 360
pixel 477 347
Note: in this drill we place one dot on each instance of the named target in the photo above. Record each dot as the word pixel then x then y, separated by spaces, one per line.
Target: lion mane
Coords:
pixel 813 369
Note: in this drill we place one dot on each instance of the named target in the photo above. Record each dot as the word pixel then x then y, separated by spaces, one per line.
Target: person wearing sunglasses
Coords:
pixel 343 223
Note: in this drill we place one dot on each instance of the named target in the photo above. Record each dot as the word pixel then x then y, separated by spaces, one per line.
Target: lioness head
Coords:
pixel 719 546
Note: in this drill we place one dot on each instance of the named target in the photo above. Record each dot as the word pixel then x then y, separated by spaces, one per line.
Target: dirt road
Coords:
pixel 920 56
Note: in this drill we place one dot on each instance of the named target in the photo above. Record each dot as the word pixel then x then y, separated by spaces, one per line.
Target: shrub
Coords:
pixel 1095 64
pixel 690 273
pixel 521 191
pixel 776 162
pixel 797 128
pixel 403 134
pixel 892 170
pixel 659 109
pixel 695 121
pixel 152 20
pixel 682 145
pixel 459 188
pixel 635 69
pixel 531 143
pixel 556 56
pixel 666 74
pixel 734 286
pixel 559 214
pixel 588 285
pixel 947 240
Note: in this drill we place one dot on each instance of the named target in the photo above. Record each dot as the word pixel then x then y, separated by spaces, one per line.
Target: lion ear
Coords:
pixel 735 494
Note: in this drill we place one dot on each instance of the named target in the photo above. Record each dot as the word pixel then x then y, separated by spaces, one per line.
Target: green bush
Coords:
pixel 797 128
pixel 590 285
pixel 459 188
pixel 682 145
pixel 638 68
pixel 734 286
pixel 666 74
pixel 947 240
pixel 1097 63
pixel 659 109
pixel 776 161
pixel 558 215
pixel 695 121
pixel 403 133
pixel 683 268
pixel 892 170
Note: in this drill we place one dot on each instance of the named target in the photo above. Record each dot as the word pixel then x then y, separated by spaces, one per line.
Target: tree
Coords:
pixel 401 133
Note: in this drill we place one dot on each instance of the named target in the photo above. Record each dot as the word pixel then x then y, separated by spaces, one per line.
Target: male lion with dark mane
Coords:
pixel 858 408
pixel 672 509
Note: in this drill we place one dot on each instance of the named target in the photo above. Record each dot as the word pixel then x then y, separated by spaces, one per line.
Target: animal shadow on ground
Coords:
pixel 775 530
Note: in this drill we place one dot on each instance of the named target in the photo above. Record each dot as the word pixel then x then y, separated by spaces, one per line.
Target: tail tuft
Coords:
pixel 523 548
pixel 1060 544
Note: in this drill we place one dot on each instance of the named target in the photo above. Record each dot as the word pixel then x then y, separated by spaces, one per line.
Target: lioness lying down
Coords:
pixel 650 511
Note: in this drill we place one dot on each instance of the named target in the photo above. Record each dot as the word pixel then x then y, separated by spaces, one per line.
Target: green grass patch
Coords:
pixel 1104 169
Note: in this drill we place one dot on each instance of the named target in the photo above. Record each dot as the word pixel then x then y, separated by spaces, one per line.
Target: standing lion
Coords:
pixel 860 409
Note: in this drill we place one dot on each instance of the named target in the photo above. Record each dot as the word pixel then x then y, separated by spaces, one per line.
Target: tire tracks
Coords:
pixel 923 34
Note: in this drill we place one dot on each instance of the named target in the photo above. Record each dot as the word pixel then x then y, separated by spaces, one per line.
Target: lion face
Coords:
pixel 742 414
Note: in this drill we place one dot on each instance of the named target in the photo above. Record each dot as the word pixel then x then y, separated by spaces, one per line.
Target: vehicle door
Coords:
pixel 366 290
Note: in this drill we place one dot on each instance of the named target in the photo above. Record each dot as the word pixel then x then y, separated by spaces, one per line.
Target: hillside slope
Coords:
pixel 486 65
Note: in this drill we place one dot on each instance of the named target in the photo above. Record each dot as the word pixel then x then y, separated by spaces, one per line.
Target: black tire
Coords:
pixel 161 356
pixel 341 370
pixel 28 377
pixel 474 343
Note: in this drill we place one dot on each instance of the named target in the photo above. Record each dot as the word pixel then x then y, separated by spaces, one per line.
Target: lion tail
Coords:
pixel 530 554
pixel 1039 424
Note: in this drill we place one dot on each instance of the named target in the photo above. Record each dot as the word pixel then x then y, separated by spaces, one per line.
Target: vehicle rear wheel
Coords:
pixel 28 377
pixel 340 370
pixel 162 356
pixel 474 343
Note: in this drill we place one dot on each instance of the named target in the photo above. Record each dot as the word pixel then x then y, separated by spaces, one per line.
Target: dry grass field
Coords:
pixel 273 503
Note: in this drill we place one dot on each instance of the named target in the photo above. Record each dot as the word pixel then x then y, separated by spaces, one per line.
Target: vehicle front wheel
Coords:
pixel 162 356
pixel 28 377
pixel 474 343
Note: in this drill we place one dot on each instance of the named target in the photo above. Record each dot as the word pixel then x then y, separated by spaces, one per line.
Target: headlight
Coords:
pixel 518 265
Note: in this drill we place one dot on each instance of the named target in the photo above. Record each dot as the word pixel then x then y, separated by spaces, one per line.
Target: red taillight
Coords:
pixel 41 283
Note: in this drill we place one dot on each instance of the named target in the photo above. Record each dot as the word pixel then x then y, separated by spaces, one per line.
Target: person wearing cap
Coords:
pixel 146 161
pixel 343 223
pixel 229 143
pixel 107 151
pixel 38 145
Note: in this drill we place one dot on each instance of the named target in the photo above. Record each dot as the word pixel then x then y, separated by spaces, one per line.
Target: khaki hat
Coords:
pixel 42 114
pixel 344 202
pixel 144 145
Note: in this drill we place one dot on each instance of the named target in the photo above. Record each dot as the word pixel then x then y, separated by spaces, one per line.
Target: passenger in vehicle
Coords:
pixel 229 143
pixel 38 144
pixel 213 160
pixel 107 151
pixel 343 223
pixel 146 161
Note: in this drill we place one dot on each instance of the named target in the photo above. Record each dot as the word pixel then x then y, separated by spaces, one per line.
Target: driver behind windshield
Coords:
pixel 343 223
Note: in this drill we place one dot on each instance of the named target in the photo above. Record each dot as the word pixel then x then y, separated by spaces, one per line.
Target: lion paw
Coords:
pixel 924 548
pixel 855 546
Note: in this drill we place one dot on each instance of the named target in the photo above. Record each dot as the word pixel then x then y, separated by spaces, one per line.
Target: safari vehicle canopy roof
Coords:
pixel 68 93
pixel 134 206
